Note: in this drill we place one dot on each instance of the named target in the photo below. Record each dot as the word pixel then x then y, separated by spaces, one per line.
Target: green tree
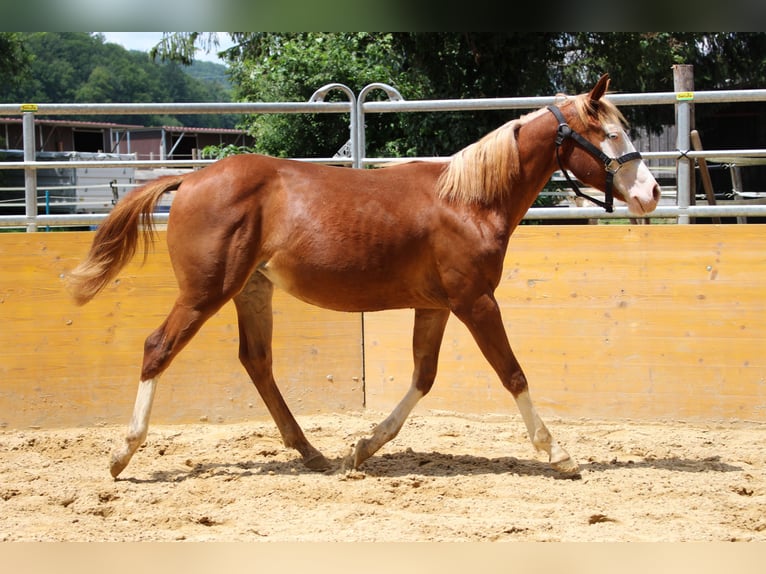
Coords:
pixel 448 65
pixel 81 68
pixel 289 67
pixel 280 67
pixel 641 62
pixel 14 59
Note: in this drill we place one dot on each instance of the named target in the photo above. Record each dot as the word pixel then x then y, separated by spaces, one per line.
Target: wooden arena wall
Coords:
pixel 644 322
pixel 63 365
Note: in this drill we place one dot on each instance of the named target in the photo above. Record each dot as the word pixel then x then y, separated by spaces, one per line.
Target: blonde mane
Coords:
pixel 485 170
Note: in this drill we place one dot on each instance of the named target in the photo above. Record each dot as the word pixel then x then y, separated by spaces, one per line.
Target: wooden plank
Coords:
pixel 63 365
pixel 649 322
pixel 707 183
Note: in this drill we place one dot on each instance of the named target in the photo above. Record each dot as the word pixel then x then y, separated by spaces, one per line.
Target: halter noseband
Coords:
pixel 611 164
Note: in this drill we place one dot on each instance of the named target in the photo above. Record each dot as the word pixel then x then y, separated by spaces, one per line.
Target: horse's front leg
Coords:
pixel 485 323
pixel 254 314
pixel 426 341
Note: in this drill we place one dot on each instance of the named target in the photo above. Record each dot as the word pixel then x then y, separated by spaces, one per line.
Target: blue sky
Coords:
pixel 145 41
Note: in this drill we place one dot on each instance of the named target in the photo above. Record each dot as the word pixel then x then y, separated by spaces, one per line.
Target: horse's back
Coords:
pixel 336 237
pixel 247 184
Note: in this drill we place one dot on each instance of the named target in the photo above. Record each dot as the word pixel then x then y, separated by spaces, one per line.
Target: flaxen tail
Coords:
pixel 117 238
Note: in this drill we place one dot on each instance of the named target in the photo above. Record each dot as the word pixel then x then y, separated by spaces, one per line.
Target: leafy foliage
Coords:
pixel 80 67
pixel 222 151
pixel 290 67
pixel 640 62
pixel 442 65
pixel 77 67
pixel 13 57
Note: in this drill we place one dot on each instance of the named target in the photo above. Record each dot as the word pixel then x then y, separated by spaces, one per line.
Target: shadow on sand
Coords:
pixel 433 464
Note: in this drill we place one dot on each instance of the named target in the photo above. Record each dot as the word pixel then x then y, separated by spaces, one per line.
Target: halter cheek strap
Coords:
pixel 612 165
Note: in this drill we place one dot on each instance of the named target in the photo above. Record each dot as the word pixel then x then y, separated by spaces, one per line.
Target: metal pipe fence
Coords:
pixel 357 108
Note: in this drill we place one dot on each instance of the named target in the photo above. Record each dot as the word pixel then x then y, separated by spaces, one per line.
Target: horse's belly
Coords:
pixel 349 289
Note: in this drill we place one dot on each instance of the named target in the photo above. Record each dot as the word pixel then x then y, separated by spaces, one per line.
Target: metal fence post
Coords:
pixel 319 96
pixel 30 172
pixel 393 96
pixel 683 84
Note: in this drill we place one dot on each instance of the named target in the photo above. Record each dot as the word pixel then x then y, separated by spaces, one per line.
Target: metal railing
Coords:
pixel 357 108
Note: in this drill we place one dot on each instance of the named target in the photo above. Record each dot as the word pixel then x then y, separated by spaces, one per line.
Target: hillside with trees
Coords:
pixel 80 67
pixel 268 66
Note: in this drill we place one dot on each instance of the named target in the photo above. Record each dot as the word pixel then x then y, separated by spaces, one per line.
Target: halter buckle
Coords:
pixel 613 165
pixel 564 131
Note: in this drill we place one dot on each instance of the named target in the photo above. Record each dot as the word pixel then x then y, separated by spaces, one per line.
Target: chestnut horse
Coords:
pixel 425 235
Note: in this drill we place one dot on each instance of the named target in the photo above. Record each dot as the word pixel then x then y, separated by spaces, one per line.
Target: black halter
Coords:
pixel 611 164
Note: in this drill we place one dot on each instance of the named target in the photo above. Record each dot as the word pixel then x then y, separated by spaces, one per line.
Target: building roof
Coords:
pixel 132 127
pixel 70 123
pixel 179 129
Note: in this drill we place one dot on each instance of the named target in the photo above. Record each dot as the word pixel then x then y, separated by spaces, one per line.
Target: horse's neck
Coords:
pixel 537 162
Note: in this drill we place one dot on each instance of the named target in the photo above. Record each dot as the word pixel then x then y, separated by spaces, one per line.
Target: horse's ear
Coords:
pixel 600 88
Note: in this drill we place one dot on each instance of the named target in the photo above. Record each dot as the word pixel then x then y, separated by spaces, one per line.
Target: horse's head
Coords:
pixel 592 143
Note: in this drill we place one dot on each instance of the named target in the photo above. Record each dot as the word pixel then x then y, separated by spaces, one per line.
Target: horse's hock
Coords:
pixel 645 322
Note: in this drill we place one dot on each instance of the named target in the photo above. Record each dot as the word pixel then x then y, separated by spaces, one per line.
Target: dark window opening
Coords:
pixel 90 141
pixel 183 149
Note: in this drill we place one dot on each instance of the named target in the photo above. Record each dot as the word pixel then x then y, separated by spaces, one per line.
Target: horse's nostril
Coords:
pixel 656 192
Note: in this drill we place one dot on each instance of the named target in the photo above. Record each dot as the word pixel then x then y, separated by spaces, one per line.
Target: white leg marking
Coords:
pixel 538 433
pixel 387 429
pixel 139 425
pixel 541 437
pixel 390 427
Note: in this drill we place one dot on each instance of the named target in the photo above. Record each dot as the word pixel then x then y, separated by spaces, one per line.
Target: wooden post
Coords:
pixel 707 184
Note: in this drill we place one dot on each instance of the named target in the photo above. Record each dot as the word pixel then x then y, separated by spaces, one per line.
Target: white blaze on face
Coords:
pixel 633 179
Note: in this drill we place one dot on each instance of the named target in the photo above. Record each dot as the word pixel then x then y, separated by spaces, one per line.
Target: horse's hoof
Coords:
pixel 116 466
pixel 566 465
pixel 361 452
pixel 317 462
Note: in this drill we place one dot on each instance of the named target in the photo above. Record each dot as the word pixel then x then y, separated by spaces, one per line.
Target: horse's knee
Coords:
pixel 516 383
pixel 425 374
pixel 152 342
pixel 257 362
pixel 159 350
pixel 156 354
pixel 424 385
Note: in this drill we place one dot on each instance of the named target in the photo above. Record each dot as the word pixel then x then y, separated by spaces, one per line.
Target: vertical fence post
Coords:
pixel 683 84
pixel 319 96
pixel 30 173
pixel 392 94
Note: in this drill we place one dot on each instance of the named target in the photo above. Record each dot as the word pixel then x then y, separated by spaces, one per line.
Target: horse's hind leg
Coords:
pixel 255 330
pixel 160 347
pixel 483 319
pixel 426 342
pixel 137 429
